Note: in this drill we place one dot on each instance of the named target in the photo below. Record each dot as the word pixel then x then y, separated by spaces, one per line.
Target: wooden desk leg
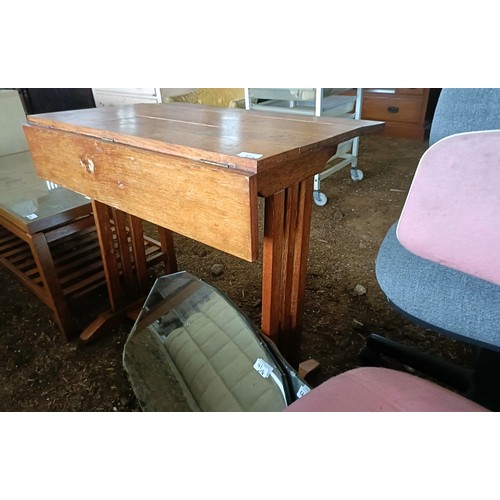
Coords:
pixel 121 239
pixel 110 256
pixel 287 227
pixel 167 245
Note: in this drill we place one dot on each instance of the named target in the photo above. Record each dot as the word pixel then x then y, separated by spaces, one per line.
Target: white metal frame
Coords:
pixel 312 101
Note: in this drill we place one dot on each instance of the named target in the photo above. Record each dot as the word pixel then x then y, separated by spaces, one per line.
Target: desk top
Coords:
pixel 209 133
pixel 29 201
pixel 194 169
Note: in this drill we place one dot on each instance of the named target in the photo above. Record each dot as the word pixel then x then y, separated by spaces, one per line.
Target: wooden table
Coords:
pixel 198 170
pixel 49 242
pixel 47 238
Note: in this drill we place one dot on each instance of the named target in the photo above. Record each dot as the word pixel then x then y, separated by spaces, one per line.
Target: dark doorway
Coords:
pixel 49 100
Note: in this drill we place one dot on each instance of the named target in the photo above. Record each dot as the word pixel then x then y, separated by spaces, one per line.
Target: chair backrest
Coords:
pixel 451 215
pixel 451 211
pixel 465 110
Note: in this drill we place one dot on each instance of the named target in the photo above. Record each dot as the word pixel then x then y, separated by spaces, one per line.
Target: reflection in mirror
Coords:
pixel 191 349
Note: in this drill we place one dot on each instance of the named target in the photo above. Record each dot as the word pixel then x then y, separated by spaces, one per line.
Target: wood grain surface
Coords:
pixel 212 205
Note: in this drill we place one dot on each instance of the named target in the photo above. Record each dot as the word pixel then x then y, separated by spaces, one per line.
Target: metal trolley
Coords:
pixel 344 103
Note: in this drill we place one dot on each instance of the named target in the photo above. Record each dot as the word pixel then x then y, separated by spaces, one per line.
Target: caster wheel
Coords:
pixel 320 198
pixel 356 175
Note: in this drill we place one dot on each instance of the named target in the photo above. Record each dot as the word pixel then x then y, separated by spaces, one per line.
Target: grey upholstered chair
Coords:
pixel 442 299
pixel 465 110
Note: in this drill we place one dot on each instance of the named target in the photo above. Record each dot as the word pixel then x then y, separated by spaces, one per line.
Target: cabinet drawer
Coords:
pixel 410 91
pixel 397 92
pixel 392 109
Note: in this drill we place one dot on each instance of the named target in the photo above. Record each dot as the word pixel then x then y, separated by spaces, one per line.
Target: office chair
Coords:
pixel 191 349
pixel 453 203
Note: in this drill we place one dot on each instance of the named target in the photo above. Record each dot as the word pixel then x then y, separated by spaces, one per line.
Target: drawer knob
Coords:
pixel 393 109
pixel 87 164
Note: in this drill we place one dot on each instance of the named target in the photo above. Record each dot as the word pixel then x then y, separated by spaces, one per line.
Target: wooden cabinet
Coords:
pixel 403 110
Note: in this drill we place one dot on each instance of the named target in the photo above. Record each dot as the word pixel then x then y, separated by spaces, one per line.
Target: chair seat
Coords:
pixel 381 390
pixel 462 306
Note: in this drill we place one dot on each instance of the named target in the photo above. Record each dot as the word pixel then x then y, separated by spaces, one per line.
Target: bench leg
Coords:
pixel 55 296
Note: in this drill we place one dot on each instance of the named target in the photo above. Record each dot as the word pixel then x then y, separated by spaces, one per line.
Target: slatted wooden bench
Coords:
pixel 48 240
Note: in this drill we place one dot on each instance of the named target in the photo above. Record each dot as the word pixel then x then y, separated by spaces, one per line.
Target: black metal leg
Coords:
pixel 485 387
pixel 455 376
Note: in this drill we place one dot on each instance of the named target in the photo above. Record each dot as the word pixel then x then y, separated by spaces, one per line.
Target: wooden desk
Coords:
pixel 197 170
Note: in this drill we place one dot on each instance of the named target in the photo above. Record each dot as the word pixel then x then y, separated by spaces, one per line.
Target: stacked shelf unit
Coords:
pixel 316 102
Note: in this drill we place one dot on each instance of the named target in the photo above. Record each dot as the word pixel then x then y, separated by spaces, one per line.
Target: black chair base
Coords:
pixel 480 383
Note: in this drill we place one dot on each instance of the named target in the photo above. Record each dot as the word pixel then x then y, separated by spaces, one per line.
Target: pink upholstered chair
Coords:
pixel 439 265
pixel 373 389
pixel 450 220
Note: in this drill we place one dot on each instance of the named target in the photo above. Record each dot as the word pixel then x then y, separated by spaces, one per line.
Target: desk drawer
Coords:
pixel 392 109
pixel 214 205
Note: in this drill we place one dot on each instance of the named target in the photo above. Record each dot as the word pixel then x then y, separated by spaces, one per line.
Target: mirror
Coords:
pixel 191 349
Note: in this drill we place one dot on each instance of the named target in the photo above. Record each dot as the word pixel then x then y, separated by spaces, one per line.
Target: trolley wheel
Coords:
pixel 356 175
pixel 320 198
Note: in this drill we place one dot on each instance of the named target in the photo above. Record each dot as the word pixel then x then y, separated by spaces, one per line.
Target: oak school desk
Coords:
pixel 197 170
